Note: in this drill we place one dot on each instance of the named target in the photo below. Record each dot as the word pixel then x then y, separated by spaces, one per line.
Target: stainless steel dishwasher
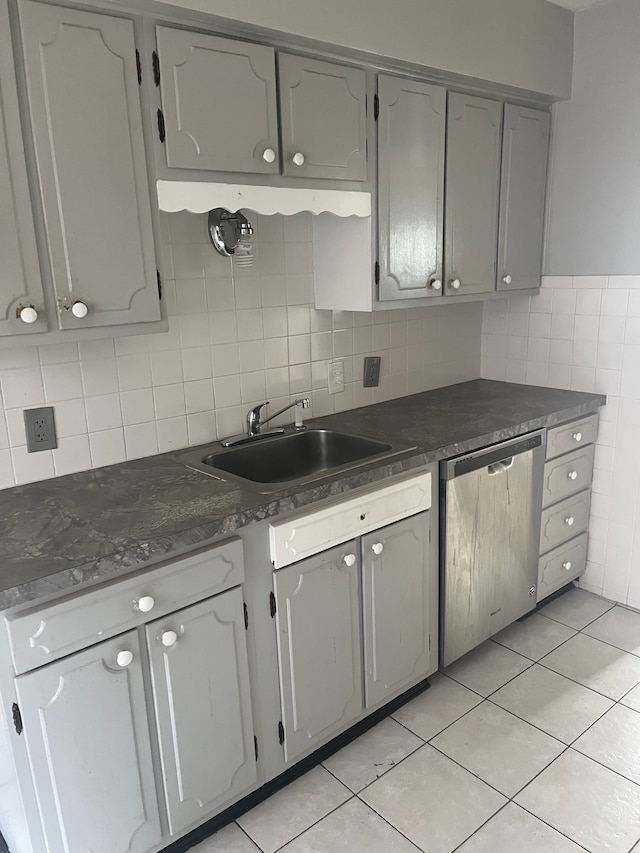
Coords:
pixel 491 502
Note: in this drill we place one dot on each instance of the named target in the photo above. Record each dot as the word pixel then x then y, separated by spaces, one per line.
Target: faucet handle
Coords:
pixel 253 418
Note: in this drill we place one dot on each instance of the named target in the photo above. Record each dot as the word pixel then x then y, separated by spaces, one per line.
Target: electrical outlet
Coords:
pixel 336 377
pixel 40 428
pixel 371 378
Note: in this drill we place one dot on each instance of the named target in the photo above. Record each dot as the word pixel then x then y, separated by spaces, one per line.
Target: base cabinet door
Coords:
pixel 396 607
pixel 319 650
pixel 87 737
pixel 200 681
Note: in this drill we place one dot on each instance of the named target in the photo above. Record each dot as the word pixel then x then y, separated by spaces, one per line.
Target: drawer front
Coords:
pixel 303 535
pixel 567 437
pixel 562 565
pixel 40 635
pixel 567 475
pixel 564 521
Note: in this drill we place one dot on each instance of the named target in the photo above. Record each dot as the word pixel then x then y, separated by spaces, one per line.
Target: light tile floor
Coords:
pixel 529 744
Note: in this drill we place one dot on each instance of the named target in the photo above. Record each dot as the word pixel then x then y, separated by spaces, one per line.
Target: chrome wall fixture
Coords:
pixel 229 232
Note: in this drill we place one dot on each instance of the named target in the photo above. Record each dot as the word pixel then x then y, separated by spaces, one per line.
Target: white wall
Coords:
pixel 522 43
pixel 583 333
pixel 236 338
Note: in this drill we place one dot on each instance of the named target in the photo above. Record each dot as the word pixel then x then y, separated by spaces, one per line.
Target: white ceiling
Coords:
pixel 577 5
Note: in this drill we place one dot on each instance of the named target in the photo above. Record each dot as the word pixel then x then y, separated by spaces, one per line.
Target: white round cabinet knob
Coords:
pixel 169 638
pixel 455 284
pixel 123 659
pixel 268 155
pixel 573 475
pixel 577 436
pixel 435 284
pixel 298 159
pixel 145 603
pixel 507 279
pixel 349 559
pixel 567 565
pixel 28 314
pixel 569 520
pixel 377 548
pixel 79 310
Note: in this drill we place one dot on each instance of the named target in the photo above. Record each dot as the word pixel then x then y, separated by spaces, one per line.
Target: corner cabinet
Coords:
pixel 84 105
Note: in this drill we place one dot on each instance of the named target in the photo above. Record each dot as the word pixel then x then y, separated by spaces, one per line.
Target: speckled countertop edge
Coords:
pixel 90 527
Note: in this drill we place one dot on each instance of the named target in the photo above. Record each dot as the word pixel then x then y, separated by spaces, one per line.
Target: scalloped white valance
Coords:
pixel 200 197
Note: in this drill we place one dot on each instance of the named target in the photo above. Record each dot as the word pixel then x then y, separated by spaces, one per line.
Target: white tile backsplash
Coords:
pixel 584 334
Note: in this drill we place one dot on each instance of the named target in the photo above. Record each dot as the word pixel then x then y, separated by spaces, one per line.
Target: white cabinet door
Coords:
pixel 85 112
pixel 87 736
pixel 396 583
pixel 201 693
pixel 20 283
pixel 319 649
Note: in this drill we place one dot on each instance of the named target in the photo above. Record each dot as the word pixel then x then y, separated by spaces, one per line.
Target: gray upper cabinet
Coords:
pixel 474 135
pixel 201 694
pixel 525 149
pixel 323 114
pixel 396 591
pixel 319 650
pixel 219 103
pixel 411 140
pixel 89 750
pixel 86 120
pixel 20 283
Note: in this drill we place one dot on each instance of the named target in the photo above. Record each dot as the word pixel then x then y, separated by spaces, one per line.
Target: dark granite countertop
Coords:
pixel 91 526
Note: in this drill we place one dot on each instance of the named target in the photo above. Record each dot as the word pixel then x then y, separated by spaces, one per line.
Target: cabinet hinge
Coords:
pixel 272 604
pixel 376 273
pixel 159 277
pixel 246 615
pixel 139 67
pixel 376 107
pixel 17 718
pixel 155 61
pixel 280 732
pixel 255 746
pixel 161 128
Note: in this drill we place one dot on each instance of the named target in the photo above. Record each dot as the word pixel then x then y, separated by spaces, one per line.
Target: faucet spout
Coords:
pixel 303 402
pixel 255 423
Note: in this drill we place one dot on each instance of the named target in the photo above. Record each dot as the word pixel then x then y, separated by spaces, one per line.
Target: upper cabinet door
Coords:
pixel 87 124
pixel 411 134
pixel 474 135
pixel 219 103
pixel 20 283
pixel 324 127
pixel 525 150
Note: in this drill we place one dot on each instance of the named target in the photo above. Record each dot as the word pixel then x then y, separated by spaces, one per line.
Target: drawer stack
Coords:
pixel 566 498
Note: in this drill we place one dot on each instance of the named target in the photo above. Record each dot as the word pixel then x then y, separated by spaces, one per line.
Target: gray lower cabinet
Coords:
pixel 88 744
pixel 20 283
pixel 84 105
pixel 525 146
pixel 319 651
pixel 200 682
pixel 474 134
pixel 219 102
pixel 411 150
pixel 323 115
pixel 396 592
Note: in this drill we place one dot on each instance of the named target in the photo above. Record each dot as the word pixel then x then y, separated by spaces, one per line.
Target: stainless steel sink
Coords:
pixel 269 464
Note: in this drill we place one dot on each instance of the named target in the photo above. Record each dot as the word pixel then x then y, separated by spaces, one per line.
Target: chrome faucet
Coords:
pixel 255 423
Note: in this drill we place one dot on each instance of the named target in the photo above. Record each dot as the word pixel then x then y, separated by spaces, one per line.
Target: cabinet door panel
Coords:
pixel 411 134
pixel 395 591
pixel 319 651
pixel 323 109
pixel 87 735
pixel 473 179
pixel 219 102
pixel 20 283
pixel 87 124
pixel 524 177
pixel 203 707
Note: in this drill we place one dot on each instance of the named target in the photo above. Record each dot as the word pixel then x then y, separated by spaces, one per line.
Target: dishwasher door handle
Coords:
pixel 490 456
pixel 500 467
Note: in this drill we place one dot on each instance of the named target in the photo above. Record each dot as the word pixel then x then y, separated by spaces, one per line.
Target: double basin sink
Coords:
pixel 271 463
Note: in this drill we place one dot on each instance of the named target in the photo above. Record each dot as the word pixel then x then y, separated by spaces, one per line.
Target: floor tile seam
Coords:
pixel 586 625
pixel 472 773
pixel 591 725
pixel 293 838
pixel 397 764
pixel 457 719
pixel 607 643
pixel 372 808
pixel 451 678
pixel 529 661
pixel 538 728
pixel 606 767
pixel 482 825
pixel 535 660
pixel 551 826
pixel 580 684
pixel 246 834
